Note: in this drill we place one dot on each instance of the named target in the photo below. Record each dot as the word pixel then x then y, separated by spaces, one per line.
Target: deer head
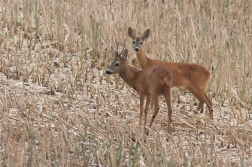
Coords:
pixel 118 63
pixel 138 41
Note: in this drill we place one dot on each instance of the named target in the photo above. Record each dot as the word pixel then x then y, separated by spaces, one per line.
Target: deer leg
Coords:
pixel 167 94
pixel 146 109
pixel 209 106
pixel 203 97
pixel 141 109
pixel 201 103
pixel 200 106
pixel 156 109
pixel 200 94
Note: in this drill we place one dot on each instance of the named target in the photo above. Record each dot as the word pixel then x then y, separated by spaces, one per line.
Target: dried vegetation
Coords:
pixel 59 108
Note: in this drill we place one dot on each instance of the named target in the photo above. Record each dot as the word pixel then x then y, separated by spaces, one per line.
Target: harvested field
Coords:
pixel 59 108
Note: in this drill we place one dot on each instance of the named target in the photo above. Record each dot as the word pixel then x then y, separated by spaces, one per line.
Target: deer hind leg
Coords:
pixel 156 108
pixel 200 94
pixel 209 106
pixel 201 103
pixel 204 99
pixel 167 94
pixel 146 109
pixel 141 109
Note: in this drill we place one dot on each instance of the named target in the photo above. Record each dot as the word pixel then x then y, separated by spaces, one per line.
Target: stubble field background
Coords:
pixel 59 108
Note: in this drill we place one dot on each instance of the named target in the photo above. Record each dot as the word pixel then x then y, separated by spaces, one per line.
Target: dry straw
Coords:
pixel 58 108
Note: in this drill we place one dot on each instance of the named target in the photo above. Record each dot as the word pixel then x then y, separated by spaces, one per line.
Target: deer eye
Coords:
pixel 133 42
pixel 141 43
pixel 117 64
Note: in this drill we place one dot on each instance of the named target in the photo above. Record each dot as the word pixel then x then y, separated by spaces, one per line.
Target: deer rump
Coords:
pixel 157 80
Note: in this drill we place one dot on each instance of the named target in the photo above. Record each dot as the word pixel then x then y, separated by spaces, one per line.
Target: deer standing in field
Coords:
pixel 191 76
pixel 148 83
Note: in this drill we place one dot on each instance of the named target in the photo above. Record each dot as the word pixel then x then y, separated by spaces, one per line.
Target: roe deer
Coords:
pixel 191 76
pixel 148 83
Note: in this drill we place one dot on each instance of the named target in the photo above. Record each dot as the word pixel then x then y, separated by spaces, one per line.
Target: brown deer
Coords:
pixel 148 83
pixel 191 76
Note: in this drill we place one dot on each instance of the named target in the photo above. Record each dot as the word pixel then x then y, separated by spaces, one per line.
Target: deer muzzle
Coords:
pixel 137 49
pixel 108 72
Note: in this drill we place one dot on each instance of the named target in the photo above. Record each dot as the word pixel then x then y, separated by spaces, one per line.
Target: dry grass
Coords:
pixel 58 108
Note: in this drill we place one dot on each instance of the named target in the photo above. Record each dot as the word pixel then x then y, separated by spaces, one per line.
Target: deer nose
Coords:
pixel 108 72
pixel 137 49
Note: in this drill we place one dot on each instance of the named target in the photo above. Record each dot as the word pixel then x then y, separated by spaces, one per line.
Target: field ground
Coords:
pixel 59 108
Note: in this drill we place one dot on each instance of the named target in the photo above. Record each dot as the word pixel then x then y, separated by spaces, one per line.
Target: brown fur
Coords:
pixel 191 76
pixel 148 83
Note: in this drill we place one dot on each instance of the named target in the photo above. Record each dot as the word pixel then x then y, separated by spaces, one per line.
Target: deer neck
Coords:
pixel 129 75
pixel 142 59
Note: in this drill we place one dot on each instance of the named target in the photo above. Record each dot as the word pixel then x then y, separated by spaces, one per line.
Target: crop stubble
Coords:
pixel 59 108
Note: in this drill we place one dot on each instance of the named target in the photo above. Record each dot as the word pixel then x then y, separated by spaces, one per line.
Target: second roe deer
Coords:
pixel 148 83
pixel 191 76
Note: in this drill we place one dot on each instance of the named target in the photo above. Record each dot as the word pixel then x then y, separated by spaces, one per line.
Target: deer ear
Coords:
pixel 146 34
pixel 124 54
pixel 131 33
